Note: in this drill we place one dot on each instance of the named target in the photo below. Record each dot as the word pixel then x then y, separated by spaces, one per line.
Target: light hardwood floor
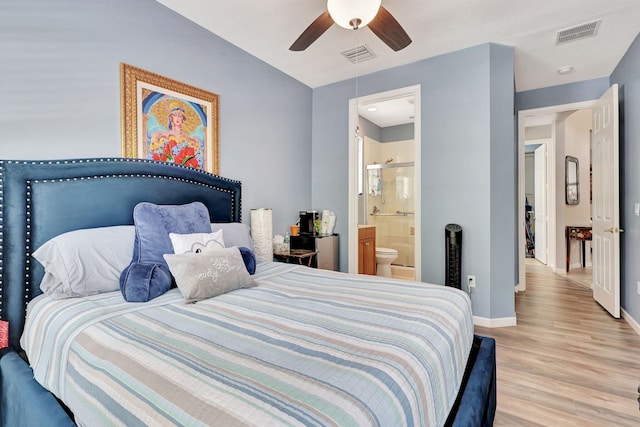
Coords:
pixel 567 362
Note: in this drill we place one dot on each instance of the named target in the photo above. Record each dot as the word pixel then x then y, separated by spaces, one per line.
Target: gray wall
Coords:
pixel 627 76
pixel 398 133
pixel 503 189
pixel 562 94
pixel 468 163
pixel 60 88
pixel 369 129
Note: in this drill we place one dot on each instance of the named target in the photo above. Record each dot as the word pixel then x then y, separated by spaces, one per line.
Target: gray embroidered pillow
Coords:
pixel 208 274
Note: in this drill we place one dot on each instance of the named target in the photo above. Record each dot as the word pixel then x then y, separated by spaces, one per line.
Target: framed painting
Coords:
pixel 163 119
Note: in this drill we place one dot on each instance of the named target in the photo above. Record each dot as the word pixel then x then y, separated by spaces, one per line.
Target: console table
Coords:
pixel 577 233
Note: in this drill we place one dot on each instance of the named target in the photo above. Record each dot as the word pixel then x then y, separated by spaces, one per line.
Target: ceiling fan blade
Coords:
pixel 385 26
pixel 313 31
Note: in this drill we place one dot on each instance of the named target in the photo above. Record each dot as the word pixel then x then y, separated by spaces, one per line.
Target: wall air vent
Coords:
pixel 359 54
pixel 578 32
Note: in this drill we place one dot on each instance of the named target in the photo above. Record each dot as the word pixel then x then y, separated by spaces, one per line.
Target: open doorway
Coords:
pixel 537 196
pixel 384 191
pixel 545 126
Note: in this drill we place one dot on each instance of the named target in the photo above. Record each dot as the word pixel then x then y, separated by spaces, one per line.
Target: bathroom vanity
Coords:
pixel 367 249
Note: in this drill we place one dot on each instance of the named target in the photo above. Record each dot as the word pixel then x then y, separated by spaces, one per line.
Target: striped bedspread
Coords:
pixel 305 347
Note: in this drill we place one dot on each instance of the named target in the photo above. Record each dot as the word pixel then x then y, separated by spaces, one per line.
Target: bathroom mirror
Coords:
pixel 571 180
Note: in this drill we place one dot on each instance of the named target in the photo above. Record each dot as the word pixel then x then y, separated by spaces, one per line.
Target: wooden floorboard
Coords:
pixel 567 362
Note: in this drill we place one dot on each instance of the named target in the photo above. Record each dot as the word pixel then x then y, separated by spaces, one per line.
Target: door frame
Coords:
pixel 551 184
pixel 548 171
pixel 353 210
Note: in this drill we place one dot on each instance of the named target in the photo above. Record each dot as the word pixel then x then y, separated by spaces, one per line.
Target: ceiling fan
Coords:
pixel 354 14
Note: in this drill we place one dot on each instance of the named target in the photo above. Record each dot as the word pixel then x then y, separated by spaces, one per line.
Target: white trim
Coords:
pixel 537 141
pixel 500 322
pixel 630 320
pixel 352 223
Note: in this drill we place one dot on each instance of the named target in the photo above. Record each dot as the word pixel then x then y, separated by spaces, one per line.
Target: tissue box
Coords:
pixel 4 334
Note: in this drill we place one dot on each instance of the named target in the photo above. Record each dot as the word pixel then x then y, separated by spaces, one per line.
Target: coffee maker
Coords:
pixel 308 222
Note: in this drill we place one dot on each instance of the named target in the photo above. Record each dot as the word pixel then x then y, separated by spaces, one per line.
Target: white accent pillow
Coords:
pixel 85 262
pixel 209 274
pixel 196 242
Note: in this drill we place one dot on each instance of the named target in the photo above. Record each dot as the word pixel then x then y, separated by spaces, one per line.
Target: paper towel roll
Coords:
pixel 261 234
pixel 325 222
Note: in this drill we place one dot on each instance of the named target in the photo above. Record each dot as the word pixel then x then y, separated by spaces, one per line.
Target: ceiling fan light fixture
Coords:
pixel 353 14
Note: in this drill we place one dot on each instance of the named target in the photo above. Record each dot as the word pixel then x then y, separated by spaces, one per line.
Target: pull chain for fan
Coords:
pixel 357 116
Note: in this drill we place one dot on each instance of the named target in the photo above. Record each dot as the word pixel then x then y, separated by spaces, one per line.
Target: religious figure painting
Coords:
pixel 165 120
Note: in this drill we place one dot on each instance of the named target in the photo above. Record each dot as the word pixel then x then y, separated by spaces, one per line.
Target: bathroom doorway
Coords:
pixel 385 178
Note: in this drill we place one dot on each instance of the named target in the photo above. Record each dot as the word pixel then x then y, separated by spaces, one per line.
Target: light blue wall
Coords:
pixel 627 76
pixel 397 133
pixel 467 117
pixel 504 253
pixel 60 92
pixel 562 94
pixel 369 129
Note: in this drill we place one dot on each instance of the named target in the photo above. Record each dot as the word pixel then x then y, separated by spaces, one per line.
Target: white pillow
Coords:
pixel 208 274
pixel 85 262
pixel 235 234
pixel 196 242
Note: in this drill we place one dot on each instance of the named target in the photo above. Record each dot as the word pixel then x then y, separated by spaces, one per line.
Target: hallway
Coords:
pixel 567 362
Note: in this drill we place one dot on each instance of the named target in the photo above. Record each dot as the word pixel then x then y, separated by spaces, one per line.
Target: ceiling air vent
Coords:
pixel 359 54
pixel 579 32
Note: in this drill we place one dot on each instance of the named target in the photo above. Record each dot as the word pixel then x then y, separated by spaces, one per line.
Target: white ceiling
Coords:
pixel 389 112
pixel 266 29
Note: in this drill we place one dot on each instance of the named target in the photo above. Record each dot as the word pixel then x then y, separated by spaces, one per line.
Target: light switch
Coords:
pixel 637 209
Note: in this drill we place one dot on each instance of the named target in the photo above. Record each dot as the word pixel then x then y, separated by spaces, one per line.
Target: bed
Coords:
pixel 301 347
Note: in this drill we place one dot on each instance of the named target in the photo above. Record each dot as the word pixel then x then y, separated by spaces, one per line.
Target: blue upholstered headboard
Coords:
pixel 42 199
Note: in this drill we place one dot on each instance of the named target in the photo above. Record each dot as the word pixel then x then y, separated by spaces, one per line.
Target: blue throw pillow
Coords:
pixel 249 259
pixel 148 275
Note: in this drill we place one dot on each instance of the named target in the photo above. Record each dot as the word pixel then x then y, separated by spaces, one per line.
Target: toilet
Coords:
pixel 384 258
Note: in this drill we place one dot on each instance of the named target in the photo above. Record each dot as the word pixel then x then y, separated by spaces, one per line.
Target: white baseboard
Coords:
pixel 631 321
pixel 579 265
pixel 511 321
pixel 494 323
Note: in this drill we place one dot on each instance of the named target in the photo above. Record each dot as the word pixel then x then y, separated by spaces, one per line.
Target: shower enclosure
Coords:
pixel 389 205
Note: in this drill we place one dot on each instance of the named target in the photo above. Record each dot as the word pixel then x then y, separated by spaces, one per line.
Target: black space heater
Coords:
pixel 453 255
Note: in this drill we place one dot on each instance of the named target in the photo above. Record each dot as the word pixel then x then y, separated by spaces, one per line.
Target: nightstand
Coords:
pixel 299 256
pixel 325 246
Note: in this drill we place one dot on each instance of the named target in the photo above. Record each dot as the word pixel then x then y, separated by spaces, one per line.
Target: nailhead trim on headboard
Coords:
pixel 27 245
pixel 1 237
pixel 234 202
pixel 31 180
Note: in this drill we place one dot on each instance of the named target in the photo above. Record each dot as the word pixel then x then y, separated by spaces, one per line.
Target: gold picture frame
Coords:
pixel 163 119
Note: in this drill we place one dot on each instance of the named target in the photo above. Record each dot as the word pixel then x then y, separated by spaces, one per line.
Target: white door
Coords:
pixel 606 215
pixel 540 206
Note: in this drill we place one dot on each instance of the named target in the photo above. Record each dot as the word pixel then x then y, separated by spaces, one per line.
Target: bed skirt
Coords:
pixel 24 402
